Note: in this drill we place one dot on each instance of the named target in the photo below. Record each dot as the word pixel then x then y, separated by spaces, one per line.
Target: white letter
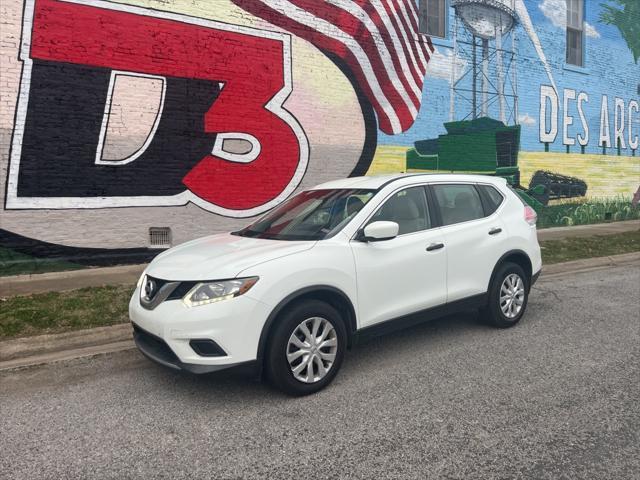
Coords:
pixel 566 118
pixel 618 122
pixel 547 92
pixel 583 97
pixel 605 139
pixel 633 141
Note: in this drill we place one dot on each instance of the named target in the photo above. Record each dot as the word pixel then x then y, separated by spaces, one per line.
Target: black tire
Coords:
pixel 492 313
pixel 277 366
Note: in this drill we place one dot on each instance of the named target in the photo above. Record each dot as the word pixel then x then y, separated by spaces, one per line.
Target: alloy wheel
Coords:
pixel 311 349
pixel 512 295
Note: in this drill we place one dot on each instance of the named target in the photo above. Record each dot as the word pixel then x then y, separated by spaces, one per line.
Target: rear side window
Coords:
pixel 408 208
pixel 492 198
pixel 458 203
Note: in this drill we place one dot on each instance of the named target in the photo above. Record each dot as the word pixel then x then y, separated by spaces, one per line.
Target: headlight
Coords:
pixel 210 292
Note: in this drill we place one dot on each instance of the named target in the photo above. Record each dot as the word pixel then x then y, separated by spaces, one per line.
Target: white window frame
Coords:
pixel 575 26
pixel 443 22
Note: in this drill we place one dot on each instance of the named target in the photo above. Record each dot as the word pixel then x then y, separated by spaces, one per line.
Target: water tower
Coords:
pixel 481 39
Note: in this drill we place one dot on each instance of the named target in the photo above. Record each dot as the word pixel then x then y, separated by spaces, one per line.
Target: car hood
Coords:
pixel 219 257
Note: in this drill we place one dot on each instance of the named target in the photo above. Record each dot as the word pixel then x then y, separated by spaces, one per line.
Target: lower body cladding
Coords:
pixel 535 277
pixel 199 339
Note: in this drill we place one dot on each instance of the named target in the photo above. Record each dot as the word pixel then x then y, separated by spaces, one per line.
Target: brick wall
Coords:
pixel 111 114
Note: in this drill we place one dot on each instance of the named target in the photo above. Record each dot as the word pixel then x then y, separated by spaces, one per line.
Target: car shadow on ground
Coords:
pixel 362 359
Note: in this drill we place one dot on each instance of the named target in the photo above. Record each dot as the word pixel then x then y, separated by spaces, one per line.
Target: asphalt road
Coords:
pixel 556 397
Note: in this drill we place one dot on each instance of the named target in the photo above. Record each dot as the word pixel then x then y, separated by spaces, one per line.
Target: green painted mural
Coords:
pixel 495 148
pixel 624 14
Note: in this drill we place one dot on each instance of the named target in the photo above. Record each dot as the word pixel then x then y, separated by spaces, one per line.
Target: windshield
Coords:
pixel 310 215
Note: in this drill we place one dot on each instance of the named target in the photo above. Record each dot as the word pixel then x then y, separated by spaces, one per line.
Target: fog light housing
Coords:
pixel 206 347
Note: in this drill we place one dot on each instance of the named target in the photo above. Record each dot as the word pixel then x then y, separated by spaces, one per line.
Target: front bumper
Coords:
pixel 156 349
pixel 165 333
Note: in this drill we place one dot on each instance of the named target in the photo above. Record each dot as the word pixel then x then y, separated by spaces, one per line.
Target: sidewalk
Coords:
pixel 129 274
pixel 560 233
pixel 69 280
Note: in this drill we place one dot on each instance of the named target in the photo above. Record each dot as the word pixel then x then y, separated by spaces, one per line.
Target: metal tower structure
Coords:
pixel 484 40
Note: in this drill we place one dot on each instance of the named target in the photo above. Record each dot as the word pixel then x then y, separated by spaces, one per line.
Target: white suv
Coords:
pixel 344 260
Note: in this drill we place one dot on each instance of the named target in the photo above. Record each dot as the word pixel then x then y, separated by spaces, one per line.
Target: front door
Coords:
pixel 407 273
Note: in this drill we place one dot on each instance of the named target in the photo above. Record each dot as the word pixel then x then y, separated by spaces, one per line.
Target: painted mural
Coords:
pixel 122 120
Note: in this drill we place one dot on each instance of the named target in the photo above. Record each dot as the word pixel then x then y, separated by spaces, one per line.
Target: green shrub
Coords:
pixel 595 210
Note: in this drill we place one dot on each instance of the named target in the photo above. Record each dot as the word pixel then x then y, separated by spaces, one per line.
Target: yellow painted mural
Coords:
pixel 606 175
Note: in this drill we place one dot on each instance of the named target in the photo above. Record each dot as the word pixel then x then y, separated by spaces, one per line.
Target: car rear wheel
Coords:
pixel 306 349
pixel 508 296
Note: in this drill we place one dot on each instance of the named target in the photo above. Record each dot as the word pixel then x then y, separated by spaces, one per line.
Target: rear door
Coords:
pixel 474 235
pixel 407 273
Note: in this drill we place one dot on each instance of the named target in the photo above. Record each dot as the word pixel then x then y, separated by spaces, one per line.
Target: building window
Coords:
pixel 433 17
pixel 575 32
pixel 160 237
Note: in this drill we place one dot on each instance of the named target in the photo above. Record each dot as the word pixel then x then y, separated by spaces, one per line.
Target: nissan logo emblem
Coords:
pixel 149 288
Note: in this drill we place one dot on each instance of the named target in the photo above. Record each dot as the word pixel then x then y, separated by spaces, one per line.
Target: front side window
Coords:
pixel 310 215
pixel 458 203
pixel 575 32
pixel 408 208
pixel 433 17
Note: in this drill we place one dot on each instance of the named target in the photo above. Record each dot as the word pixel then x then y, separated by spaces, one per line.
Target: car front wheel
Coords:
pixel 306 349
pixel 508 296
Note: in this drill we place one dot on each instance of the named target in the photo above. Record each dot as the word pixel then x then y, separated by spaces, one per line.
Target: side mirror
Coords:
pixel 378 231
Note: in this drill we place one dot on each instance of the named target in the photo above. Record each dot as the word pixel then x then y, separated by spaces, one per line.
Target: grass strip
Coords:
pixel 56 312
pixel 556 251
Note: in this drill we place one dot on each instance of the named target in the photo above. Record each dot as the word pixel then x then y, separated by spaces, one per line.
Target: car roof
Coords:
pixel 376 182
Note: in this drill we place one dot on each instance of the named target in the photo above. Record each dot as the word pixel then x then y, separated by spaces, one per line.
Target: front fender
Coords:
pixel 328 268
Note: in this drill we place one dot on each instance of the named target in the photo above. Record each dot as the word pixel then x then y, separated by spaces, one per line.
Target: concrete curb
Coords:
pixel 65 355
pixel 587 264
pixel 45 344
pixel 44 349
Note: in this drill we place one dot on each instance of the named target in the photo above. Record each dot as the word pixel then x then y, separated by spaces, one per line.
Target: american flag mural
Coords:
pixel 377 39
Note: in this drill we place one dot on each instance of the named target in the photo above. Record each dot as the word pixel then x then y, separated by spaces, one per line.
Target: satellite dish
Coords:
pixel 483 18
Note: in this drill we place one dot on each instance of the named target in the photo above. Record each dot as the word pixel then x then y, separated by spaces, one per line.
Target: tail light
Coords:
pixel 530 215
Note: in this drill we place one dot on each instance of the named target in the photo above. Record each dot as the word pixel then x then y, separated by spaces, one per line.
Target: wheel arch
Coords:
pixel 326 293
pixel 519 257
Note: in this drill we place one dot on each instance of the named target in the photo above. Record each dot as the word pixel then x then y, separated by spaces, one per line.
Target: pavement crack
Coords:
pixel 544 290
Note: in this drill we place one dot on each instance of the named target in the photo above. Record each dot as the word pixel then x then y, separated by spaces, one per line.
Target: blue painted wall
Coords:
pixel 609 69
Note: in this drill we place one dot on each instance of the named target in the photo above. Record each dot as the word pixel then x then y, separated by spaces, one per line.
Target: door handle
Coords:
pixel 435 246
pixel 495 231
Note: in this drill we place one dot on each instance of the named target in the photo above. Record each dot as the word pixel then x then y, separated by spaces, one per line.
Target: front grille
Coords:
pixel 181 290
pixel 154 291
pixel 151 287
pixel 155 347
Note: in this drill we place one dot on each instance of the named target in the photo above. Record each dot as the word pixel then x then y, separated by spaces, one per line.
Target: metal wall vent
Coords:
pixel 159 237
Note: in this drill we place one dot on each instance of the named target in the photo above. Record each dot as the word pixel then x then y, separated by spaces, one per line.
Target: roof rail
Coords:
pixel 403 177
